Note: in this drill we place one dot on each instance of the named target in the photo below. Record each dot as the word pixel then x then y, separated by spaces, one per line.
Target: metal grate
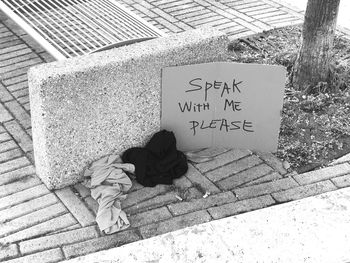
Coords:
pixel 69 28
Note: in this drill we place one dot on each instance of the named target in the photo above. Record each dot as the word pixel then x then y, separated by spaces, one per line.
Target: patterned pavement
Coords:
pixel 38 225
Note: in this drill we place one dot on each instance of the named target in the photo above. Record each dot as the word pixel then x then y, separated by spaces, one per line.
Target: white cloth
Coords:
pixel 109 184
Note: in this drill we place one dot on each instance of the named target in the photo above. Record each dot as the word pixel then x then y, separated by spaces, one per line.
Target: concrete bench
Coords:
pixel 90 106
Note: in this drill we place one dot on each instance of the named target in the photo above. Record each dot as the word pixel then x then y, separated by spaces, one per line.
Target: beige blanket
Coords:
pixel 109 184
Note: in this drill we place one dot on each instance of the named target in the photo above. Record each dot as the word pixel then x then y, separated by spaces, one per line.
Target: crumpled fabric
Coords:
pixel 109 184
pixel 159 162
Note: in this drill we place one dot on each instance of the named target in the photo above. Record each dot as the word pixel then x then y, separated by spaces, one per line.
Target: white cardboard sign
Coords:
pixel 223 104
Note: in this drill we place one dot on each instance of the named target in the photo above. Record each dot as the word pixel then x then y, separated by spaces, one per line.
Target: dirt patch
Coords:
pixel 315 126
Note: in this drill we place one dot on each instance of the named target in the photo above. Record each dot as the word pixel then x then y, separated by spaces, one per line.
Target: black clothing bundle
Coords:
pixel 159 162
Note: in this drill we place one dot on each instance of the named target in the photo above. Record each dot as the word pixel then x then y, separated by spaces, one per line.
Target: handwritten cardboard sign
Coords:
pixel 223 104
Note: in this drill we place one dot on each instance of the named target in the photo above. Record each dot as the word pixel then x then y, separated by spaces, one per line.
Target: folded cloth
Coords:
pixel 159 162
pixel 108 184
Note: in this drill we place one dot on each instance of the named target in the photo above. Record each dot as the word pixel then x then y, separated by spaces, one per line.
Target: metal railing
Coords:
pixel 69 28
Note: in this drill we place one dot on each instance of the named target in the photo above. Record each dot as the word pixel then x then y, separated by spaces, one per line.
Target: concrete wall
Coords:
pixel 103 103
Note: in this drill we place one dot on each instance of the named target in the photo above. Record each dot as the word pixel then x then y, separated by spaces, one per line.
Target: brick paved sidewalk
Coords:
pixel 38 225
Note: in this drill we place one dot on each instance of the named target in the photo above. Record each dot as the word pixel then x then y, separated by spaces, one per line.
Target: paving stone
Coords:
pixel 273 161
pixel 8 251
pixel 4 114
pixel 13 80
pixel 168 25
pixel 149 217
pixel 57 240
pixel 241 206
pixel 13 164
pixel 344 159
pixel 12 48
pixel 50 226
pixel 212 151
pixel 8 145
pixel 200 204
pixel 97 244
pixel 76 226
pixel 82 190
pixel 21 137
pixel 21 64
pixel 222 159
pixel 25 183
pixel 175 223
pixel 20 114
pixel 267 178
pixel 144 194
pixel 304 191
pixel 244 177
pixel 342 181
pixel 12 57
pixel 187 13
pixel 91 204
pixel 18 86
pixel 76 206
pixel 11 154
pixel 5 95
pixel 15 59
pixel 135 186
pixel 49 256
pixel 322 174
pixel 233 168
pixel 27 207
pixel 4 136
pixel 31 219
pixel 182 182
pixel 16 175
pixel 197 178
pixel 23 196
pixel 265 188
pixel 155 202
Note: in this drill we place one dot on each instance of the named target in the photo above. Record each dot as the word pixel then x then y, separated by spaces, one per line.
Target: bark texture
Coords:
pixel 313 61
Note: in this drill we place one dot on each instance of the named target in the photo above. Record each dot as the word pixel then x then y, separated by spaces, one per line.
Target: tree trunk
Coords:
pixel 313 61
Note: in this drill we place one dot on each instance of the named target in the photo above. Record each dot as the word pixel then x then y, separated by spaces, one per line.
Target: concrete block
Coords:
pixel 52 255
pixel 87 107
pixel 149 217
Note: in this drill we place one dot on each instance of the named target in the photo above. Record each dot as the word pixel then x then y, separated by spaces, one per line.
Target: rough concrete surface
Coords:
pixel 103 103
pixel 313 230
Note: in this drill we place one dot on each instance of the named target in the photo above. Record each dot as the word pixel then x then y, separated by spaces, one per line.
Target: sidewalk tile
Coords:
pixel 197 178
pixel 203 203
pixel 265 188
pixel 233 168
pixel 322 174
pixel 8 252
pixel 16 175
pixel 11 154
pixel 76 206
pixel 26 182
pixel 49 256
pixel 304 191
pixel 267 178
pixel 241 206
pixel 244 177
pixel 23 196
pixel 175 223
pixel 5 95
pixel 27 207
pixel 222 159
pixel 50 226
pixel 149 217
pixel 342 181
pixel 13 164
pixel 57 240
pixel 97 244
pixel 273 161
pixel 20 114
pixel 4 114
pixel 31 219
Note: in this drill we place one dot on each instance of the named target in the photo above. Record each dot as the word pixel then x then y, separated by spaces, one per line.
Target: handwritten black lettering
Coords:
pixel 235 85
pixel 194 126
pixel 225 88
pixel 191 82
pixel 217 84
pixel 234 105
pixel 195 107
pixel 247 125
pixel 234 125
